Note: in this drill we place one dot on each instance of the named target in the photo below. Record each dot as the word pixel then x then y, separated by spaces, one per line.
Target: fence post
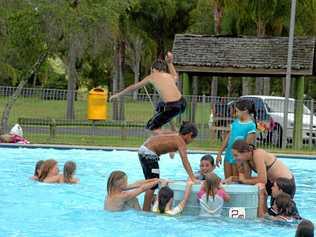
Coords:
pixel 52 128
pixel 298 113
pixel 311 124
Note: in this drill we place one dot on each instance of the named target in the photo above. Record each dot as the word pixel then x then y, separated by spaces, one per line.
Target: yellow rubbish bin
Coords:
pixel 97 104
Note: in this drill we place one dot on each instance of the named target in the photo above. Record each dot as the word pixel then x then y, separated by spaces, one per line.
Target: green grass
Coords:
pixel 134 111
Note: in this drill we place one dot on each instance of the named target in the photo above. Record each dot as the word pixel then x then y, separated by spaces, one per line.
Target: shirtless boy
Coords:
pixel 164 143
pixel 172 103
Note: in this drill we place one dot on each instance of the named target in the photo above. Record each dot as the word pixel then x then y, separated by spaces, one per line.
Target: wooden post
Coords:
pixel 298 113
pixel 186 94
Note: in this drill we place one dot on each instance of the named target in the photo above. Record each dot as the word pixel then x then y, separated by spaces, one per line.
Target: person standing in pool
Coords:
pixel 164 143
pixel 172 103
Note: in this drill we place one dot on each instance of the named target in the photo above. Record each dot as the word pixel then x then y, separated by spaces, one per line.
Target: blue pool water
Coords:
pixel 32 209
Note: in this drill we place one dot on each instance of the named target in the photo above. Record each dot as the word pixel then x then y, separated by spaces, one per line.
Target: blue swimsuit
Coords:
pixel 238 131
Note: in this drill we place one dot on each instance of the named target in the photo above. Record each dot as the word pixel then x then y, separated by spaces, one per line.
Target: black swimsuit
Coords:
pixel 269 184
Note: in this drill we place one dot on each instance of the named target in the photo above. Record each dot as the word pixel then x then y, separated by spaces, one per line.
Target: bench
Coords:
pixel 54 123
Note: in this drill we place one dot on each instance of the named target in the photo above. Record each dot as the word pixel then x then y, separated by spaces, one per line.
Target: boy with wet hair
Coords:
pixel 149 154
pixel 172 103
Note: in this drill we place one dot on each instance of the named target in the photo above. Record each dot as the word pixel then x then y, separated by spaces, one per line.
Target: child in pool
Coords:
pixel 164 204
pixel 212 196
pixel 68 175
pixel 206 166
pixel 49 172
pixel 242 128
pixel 284 206
pixel 280 185
pixel 305 229
pixel 38 170
pixel 122 196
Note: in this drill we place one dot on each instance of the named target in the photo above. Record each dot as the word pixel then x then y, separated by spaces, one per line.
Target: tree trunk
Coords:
pixel 115 89
pixel 121 79
pixel 8 106
pixel 71 89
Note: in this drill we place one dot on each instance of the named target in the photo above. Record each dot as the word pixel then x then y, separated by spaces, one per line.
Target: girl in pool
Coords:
pixel 266 165
pixel 68 175
pixel 49 172
pixel 38 169
pixel 122 196
pixel 164 204
pixel 243 128
pixel 206 166
pixel 285 207
pixel 212 196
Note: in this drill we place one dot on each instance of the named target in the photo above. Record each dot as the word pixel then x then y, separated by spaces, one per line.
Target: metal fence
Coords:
pixel 42 115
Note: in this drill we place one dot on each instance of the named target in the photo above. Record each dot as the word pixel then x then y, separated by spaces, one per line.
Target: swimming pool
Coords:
pixel 32 209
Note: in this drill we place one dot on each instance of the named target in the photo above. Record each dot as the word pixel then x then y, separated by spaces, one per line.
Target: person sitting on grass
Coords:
pixel 206 166
pixel 69 172
pixel 164 204
pixel 122 196
pixel 49 172
pixel 38 170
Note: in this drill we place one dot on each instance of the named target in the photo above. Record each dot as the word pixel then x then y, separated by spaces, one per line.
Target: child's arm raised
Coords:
pixel 182 148
pixel 186 197
pixel 138 183
pixel 172 70
pixel 219 155
pixel 131 88
pixel 128 195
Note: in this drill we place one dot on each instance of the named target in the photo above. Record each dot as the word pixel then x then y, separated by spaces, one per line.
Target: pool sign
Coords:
pixel 237 213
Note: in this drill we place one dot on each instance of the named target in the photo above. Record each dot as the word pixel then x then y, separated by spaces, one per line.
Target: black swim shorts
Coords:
pixel 150 166
pixel 165 112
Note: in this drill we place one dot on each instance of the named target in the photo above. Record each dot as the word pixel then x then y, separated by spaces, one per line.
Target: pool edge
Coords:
pixel 110 148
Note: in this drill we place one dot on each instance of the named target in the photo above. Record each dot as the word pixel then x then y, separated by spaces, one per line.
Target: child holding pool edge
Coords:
pixel 164 203
pixel 122 196
pixel 242 128
pixel 207 165
pixel 212 196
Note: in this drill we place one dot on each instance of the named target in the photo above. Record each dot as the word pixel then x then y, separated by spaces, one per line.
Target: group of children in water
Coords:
pixel 47 171
pixel 241 159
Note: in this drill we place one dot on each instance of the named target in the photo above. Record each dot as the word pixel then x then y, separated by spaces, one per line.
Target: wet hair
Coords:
pixel 69 170
pixel 160 65
pixel 113 180
pixel 208 158
pixel 37 167
pixel 242 146
pixel 188 127
pixel 46 167
pixel 285 205
pixel 164 196
pixel 285 185
pixel 305 229
pixel 211 183
pixel 247 105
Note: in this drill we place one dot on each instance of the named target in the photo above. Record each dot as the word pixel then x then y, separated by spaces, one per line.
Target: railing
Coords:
pixel 37 109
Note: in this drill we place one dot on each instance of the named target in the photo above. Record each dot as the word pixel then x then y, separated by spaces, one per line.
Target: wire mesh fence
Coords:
pixel 42 115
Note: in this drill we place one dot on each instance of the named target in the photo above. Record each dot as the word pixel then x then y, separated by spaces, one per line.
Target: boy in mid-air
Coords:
pixel 172 103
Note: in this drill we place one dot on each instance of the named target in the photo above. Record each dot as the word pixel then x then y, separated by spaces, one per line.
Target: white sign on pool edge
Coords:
pixel 237 213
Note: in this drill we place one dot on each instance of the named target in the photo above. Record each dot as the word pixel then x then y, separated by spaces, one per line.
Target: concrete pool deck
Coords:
pixel 109 148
